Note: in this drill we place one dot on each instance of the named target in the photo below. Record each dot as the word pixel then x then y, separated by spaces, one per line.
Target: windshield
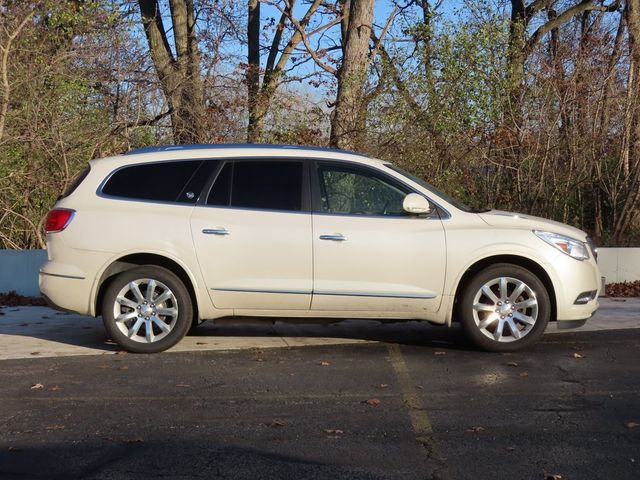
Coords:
pixel 453 201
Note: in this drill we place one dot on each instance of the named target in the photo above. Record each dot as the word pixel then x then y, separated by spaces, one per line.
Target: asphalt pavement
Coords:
pixel 387 401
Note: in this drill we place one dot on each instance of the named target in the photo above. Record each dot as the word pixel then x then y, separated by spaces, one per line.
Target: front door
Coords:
pixel 253 236
pixel 369 255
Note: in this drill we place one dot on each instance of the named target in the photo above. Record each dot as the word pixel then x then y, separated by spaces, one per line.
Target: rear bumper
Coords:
pixel 65 292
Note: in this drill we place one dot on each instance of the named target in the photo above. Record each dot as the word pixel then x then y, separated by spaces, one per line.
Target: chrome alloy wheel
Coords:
pixel 145 303
pixel 505 309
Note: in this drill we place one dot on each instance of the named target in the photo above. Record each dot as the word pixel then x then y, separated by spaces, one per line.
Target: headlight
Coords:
pixel 572 247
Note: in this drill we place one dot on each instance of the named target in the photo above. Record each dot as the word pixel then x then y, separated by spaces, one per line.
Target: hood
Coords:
pixel 498 218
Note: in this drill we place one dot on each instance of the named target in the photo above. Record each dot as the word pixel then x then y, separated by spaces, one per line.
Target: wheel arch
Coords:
pixel 524 262
pixel 126 262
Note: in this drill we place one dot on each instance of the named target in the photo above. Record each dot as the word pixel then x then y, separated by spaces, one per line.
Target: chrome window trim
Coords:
pixel 268 210
pixel 440 212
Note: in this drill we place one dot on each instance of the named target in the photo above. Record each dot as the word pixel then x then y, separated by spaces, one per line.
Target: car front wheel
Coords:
pixel 504 308
pixel 147 309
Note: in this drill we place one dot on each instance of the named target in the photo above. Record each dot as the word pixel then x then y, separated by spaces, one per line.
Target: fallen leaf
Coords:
pixel 54 427
pixel 183 385
pixel 550 476
pixel 512 364
pixel 121 352
pixel 372 401
pixel 124 367
pixel 34 353
pixel 133 440
pixel 324 364
pixel 524 374
pixel 37 386
pixel 275 424
pixel 476 429
pixel 382 385
pixel 55 388
pixel 577 355
pixel 439 353
pixel 631 425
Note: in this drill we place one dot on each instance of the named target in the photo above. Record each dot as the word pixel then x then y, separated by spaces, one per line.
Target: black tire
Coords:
pixel 178 322
pixel 478 327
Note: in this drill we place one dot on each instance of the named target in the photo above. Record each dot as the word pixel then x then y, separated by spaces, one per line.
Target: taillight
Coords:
pixel 58 219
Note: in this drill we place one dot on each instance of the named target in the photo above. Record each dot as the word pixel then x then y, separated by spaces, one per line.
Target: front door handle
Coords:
pixel 336 237
pixel 216 231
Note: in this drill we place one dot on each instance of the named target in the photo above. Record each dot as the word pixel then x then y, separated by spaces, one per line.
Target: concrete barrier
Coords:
pixel 19 268
pixel 619 264
pixel 19 271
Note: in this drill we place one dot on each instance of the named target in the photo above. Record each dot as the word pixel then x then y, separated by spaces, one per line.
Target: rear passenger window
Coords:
pixel 166 181
pixel 261 184
pixel 220 194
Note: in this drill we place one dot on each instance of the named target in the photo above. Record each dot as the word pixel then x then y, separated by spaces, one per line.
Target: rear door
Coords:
pixel 253 235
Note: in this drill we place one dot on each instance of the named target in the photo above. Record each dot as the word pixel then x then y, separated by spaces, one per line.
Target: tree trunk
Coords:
pixel 346 123
pixel 256 114
pixel 630 155
pixel 179 77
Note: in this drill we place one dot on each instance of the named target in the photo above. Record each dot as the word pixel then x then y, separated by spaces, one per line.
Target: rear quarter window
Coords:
pixel 164 182
pixel 75 183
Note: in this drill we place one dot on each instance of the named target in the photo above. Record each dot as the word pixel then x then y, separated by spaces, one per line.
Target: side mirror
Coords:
pixel 415 204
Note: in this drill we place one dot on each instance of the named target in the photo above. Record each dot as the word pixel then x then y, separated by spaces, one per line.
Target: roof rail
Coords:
pixel 205 146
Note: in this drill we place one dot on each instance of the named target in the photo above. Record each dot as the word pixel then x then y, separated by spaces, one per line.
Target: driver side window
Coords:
pixel 354 192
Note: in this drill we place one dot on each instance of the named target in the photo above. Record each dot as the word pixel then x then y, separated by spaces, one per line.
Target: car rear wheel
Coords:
pixel 504 308
pixel 147 309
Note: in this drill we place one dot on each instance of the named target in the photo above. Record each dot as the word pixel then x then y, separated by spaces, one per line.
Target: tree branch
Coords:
pixel 376 45
pixel 6 87
pixel 564 17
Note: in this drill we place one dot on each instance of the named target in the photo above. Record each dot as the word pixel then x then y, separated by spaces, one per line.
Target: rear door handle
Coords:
pixel 216 231
pixel 336 237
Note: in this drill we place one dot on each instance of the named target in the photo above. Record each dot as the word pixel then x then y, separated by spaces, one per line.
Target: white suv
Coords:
pixel 162 238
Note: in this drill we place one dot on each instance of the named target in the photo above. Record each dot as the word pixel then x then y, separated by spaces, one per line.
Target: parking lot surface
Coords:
pixel 407 401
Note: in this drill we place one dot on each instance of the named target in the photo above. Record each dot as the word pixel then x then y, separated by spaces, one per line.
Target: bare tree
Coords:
pixel 260 95
pixel 179 74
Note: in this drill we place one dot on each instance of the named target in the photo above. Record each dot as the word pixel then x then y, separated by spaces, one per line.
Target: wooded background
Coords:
pixel 530 106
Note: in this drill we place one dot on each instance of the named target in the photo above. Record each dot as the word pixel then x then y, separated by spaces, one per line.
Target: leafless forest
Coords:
pixel 530 106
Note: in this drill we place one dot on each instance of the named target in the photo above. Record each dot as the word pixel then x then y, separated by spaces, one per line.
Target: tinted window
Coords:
pixel 153 181
pixel 354 192
pixel 262 184
pixel 221 191
pixel 76 182
pixel 193 188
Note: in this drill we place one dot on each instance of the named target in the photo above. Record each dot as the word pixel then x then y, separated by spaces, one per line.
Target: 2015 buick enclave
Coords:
pixel 160 238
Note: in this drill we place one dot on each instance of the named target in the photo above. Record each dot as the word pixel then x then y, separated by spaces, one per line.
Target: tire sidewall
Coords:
pixel 183 299
pixel 465 307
